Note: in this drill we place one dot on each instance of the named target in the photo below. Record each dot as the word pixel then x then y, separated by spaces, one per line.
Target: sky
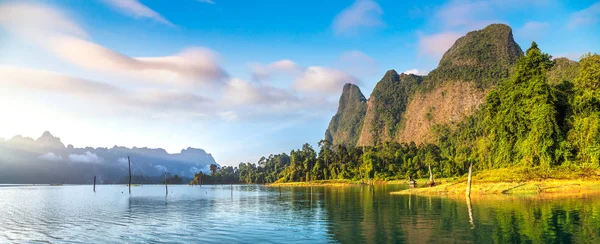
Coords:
pixel 240 79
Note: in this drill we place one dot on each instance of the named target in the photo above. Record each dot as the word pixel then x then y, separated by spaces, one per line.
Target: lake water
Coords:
pixel 259 214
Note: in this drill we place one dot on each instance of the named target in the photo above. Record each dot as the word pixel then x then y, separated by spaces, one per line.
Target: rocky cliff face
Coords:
pixel 345 126
pixel 386 107
pixel 404 108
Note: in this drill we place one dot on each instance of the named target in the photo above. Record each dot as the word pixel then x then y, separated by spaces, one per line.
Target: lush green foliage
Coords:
pixel 526 122
pixel 390 98
pixel 520 118
pixel 584 136
pixel 484 57
pixel 268 170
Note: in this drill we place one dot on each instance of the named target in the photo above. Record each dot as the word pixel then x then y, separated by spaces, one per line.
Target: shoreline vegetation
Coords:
pixel 519 182
pixel 536 133
pixel 340 182
pixel 558 182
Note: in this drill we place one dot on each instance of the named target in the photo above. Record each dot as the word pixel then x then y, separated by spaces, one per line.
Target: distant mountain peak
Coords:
pixel 20 140
pixel 47 140
pixel 47 134
pixel 346 124
pixel 78 164
pixel 483 56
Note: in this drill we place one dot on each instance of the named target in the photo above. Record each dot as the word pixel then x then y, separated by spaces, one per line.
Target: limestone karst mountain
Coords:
pixel 405 108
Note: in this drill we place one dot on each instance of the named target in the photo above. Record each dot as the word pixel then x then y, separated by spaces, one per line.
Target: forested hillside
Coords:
pixel 544 114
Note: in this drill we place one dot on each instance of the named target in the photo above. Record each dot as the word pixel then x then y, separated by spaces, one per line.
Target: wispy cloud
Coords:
pixel 206 1
pixel 317 79
pixel 101 93
pixel 532 30
pixel 137 10
pixel 416 72
pixel 465 15
pixel 587 16
pixel 50 157
pixel 363 14
pixel 177 75
pixel 436 45
pixel 53 30
pixel 313 79
pixel 357 63
pixel 87 157
pixel 266 72
pixel 30 21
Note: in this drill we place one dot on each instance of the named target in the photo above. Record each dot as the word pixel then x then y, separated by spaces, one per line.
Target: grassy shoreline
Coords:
pixel 518 181
pixel 337 182
pixel 557 182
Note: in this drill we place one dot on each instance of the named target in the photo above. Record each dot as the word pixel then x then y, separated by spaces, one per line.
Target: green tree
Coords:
pixel 521 116
pixel 584 135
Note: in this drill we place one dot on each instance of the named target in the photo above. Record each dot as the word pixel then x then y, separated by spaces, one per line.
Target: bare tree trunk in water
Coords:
pixel 166 187
pixel 469 179
pixel 431 181
pixel 129 162
pixel 470 208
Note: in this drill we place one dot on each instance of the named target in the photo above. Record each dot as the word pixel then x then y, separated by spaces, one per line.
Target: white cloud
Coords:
pixel 266 72
pixel 206 1
pixel 248 100
pixel 87 158
pixel 467 15
pixel 191 66
pixel 324 80
pixel 437 44
pixel 122 162
pixel 463 13
pixel 360 15
pixel 160 168
pixel 50 157
pixel 53 30
pixel 137 10
pixel 357 63
pixel 37 20
pixel 533 29
pixel 228 115
pixel 587 16
pixel 165 86
pixel 242 92
pixel 416 72
pixel 42 81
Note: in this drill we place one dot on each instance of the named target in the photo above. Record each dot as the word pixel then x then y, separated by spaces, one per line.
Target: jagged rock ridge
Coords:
pixel 346 124
pixel 404 108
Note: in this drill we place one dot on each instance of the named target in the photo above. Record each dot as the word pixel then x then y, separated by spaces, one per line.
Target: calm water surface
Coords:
pixel 259 214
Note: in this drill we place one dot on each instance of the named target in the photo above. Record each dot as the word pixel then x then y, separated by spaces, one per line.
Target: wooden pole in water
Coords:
pixel 431 181
pixel 129 161
pixel 94 183
pixel 166 187
pixel 470 212
pixel 469 180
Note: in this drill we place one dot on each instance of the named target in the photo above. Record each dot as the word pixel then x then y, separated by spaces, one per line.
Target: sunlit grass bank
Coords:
pixel 318 183
pixel 518 181
pixel 344 182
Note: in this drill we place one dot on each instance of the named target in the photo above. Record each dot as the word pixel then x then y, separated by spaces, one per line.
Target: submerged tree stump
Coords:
pixel 469 180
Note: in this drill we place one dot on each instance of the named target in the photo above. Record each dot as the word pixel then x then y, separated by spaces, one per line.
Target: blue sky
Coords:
pixel 241 79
